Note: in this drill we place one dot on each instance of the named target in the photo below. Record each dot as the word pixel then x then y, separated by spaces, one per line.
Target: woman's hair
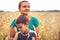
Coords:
pixel 22 19
pixel 19 6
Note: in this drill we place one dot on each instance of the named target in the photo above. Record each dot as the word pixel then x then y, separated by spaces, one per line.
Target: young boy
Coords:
pixel 24 33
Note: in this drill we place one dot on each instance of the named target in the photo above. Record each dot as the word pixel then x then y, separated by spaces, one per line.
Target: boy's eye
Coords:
pixel 20 27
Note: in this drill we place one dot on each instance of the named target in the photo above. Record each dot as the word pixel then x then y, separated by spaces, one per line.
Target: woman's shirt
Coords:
pixel 33 23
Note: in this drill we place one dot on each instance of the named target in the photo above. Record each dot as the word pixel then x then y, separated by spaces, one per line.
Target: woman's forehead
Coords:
pixel 25 3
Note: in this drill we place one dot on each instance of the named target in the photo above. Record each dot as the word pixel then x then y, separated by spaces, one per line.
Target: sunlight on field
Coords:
pixel 49 24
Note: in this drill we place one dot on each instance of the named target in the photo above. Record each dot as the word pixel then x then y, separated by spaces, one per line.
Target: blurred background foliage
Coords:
pixel 49 24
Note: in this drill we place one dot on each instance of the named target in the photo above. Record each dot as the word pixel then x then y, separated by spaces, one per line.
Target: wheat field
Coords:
pixel 49 24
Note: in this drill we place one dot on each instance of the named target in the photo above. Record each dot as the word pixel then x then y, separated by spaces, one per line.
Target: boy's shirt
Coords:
pixel 29 36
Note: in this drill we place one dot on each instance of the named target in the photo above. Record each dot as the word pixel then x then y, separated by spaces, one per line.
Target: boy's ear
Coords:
pixel 16 24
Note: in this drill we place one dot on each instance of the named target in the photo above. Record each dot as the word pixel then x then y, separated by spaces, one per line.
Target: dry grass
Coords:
pixel 49 24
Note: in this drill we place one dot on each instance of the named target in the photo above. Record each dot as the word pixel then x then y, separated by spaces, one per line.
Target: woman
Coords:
pixel 24 9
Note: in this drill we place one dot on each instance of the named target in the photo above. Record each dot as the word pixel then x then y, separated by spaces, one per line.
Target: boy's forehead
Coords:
pixel 20 24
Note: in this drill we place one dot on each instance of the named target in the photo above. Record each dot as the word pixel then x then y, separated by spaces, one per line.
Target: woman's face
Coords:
pixel 25 8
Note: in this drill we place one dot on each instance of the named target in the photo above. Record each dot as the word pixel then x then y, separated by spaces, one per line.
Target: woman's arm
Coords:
pixel 12 33
pixel 37 27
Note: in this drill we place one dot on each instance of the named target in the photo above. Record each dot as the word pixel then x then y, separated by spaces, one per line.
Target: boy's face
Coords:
pixel 25 8
pixel 22 27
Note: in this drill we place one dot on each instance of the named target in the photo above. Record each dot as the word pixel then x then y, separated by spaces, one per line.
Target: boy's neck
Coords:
pixel 26 32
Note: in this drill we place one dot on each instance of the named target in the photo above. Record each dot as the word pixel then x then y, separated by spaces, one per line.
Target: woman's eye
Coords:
pixel 28 6
pixel 24 6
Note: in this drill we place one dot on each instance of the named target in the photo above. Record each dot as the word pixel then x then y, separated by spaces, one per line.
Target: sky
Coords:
pixel 12 5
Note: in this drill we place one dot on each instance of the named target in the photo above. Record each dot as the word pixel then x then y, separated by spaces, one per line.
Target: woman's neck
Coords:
pixel 25 14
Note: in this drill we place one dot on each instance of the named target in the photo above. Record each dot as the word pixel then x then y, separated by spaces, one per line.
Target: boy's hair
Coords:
pixel 22 19
pixel 19 5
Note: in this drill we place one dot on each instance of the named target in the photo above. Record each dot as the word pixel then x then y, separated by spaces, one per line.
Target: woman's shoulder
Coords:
pixel 34 18
pixel 15 18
